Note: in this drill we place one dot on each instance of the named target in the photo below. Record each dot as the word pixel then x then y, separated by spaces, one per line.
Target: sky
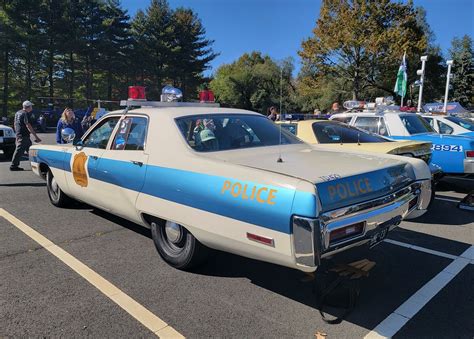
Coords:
pixel 277 27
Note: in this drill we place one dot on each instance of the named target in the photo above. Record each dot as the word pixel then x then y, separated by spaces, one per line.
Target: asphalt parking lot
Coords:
pixel 421 285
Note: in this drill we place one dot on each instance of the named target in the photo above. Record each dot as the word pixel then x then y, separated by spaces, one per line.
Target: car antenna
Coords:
pixel 281 91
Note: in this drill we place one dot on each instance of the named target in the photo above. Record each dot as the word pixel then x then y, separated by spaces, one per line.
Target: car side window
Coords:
pixel 131 134
pixel 292 128
pixel 382 128
pixel 370 124
pixel 431 121
pixel 99 137
pixel 345 120
pixel 444 128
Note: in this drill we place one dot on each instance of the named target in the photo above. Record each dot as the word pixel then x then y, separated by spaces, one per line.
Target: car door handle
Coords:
pixel 138 163
pixel 95 157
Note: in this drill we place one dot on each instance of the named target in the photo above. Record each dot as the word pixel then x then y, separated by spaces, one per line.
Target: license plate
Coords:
pixel 378 237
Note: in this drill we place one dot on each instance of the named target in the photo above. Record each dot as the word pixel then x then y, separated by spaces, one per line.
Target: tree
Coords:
pixel 115 48
pixel 190 51
pixel 253 82
pixel 361 42
pixel 462 54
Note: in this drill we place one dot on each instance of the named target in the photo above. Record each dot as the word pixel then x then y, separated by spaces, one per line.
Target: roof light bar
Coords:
pixel 141 103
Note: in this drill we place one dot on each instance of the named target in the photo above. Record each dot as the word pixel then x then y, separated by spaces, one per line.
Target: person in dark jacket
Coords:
pixel 23 129
pixel 68 120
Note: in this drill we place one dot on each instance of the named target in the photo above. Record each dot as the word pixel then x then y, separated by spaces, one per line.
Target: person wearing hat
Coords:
pixel 208 141
pixel 23 129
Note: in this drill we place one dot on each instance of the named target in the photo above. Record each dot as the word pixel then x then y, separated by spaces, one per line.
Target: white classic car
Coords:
pixel 448 124
pixel 229 179
pixel 7 141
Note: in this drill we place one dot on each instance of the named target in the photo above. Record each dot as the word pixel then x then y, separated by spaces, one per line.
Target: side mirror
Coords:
pixel 79 145
pixel 68 135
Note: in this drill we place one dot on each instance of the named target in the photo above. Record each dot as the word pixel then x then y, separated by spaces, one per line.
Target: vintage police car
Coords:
pixel 208 177
pixel 448 124
pixel 453 153
pixel 7 141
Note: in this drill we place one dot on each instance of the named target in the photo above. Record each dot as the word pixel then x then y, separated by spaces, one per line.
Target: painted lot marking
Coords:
pixel 447 199
pixel 421 249
pixel 395 321
pixel 132 307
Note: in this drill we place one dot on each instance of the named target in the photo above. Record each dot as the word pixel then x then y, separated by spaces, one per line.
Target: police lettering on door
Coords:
pixel 263 195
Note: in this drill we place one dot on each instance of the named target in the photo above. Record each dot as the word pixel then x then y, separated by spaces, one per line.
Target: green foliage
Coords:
pixel 463 68
pixel 90 49
pixel 253 82
pixel 357 46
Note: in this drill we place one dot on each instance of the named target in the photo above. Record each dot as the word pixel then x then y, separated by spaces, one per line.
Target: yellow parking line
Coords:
pixel 136 310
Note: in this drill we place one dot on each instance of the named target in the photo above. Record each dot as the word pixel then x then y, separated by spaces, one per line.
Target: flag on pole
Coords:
pixel 401 84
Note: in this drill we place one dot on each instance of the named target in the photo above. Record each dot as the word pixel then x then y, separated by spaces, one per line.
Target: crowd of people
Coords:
pixel 23 126
pixel 204 135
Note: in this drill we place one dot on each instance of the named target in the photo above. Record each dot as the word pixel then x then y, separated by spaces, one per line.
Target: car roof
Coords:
pixel 304 122
pixel 176 112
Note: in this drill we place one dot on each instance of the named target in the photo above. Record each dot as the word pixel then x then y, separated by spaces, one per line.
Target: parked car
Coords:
pixel 207 177
pixel 336 135
pixel 453 153
pixel 447 124
pixel 7 141
pixel 339 135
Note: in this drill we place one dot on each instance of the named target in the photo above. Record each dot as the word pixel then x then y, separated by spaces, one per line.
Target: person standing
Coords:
pixel 272 113
pixel 68 120
pixel 23 129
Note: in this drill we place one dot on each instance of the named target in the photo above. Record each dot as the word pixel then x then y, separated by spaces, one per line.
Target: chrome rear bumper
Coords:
pixel 312 237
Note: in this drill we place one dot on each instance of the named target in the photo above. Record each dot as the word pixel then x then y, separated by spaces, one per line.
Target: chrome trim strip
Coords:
pixel 306 241
pixel 369 205
pixel 468 166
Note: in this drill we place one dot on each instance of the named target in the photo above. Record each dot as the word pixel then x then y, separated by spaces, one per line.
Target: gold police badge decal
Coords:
pixel 79 169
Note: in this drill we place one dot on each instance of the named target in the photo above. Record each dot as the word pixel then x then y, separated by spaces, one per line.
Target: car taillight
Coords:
pixel 470 154
pixel 346 232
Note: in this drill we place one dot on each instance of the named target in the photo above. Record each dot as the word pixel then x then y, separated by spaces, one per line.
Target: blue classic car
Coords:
pixel 453 153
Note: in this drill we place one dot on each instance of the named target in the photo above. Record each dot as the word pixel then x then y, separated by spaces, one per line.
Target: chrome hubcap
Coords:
pixel 173 232
pixel 54 188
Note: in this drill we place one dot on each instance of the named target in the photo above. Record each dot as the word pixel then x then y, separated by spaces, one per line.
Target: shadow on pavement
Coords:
pixel 398 274
pixel 457 184
pixel 438 214
pixel 122 222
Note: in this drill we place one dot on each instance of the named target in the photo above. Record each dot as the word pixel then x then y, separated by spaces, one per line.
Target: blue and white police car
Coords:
pixel 453 153
pixel 202 177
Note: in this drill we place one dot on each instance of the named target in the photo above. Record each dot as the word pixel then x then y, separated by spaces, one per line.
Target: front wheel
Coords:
pixel 57 197
pixel 176 245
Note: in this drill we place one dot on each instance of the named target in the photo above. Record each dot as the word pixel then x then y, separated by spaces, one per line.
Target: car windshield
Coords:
pixel 462 122
pixel 416 124
pixel 329 132
pixel 219 132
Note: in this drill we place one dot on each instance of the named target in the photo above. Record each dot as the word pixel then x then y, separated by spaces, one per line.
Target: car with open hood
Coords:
pixel 204 177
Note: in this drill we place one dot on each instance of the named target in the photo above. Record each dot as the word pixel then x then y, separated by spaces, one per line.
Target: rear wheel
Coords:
pixel 176 245
pixel 57 197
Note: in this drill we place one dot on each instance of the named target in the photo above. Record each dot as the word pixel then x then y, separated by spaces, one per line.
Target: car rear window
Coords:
pixel 219 132
pixel 332 133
